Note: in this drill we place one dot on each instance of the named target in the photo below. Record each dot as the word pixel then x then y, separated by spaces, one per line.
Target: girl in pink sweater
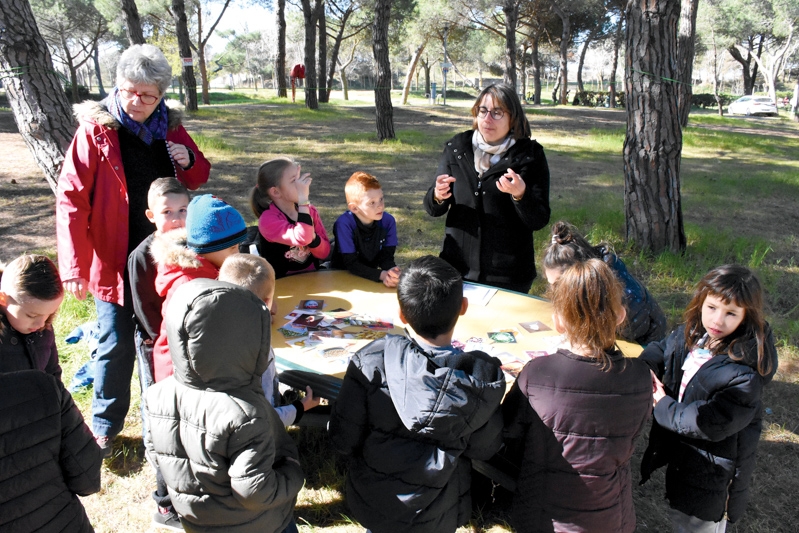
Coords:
pixel 293 238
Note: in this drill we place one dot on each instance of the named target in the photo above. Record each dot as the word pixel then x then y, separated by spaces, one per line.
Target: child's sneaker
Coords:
pixel 165 518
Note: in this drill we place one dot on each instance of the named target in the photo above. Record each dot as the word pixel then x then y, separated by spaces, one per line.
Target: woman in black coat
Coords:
pixel 493 185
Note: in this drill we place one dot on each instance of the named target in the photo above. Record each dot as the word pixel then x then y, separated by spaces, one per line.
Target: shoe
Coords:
pixel 106 444
pixel 165 518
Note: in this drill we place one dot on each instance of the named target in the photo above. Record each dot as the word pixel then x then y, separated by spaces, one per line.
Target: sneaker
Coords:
pixel 165 518
pixel 106 444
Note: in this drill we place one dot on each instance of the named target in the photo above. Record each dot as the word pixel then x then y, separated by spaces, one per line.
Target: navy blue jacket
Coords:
pixel 709 439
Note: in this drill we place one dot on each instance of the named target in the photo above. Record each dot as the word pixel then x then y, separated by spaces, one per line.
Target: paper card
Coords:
pixel 535 326
pixel 532 354
pixel 308 321
pixel 303 342
pixel 289 330
pixel 311 305
pixel 513 368
pixel 335 352
pixel 381 325
pixel 330 334
pixel 297 313
pixel 506 357
pixel 504 336
pixel 370 334
pixel 338 313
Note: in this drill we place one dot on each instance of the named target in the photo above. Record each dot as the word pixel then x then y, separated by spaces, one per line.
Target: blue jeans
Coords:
pixel 113 370
pixel 144 360
pixel 291 528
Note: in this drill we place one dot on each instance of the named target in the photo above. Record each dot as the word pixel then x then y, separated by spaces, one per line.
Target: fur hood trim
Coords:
pixel 169 249
pixel 97 112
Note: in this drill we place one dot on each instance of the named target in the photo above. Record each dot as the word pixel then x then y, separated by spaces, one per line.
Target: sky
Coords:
pixel 240 19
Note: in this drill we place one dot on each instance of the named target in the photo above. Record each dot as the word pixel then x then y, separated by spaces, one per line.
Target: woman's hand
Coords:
pixel 658 391
pixel 512 184
pixel 77 286
pixel 179 153
pixel 443 189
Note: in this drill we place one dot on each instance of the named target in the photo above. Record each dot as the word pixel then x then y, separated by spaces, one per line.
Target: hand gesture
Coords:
pixel 309 402
pixel 512 184
pixel 303 185
pixel 179 153
pixel 658 391
pixel 443 190
pixel 390 278
pixel 77 286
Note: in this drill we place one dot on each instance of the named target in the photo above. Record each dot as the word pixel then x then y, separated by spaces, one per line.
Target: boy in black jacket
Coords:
pixel 413 410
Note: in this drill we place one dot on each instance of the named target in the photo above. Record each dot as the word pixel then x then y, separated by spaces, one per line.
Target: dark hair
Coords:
pixel 738 285
pixel 588 299
pixel 505 97
pixel 430 294
pixel 163 186
pixel 269 175
pixel 31 276
pixel 567 247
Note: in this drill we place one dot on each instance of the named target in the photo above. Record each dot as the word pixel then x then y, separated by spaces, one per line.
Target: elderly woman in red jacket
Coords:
pixel 121 146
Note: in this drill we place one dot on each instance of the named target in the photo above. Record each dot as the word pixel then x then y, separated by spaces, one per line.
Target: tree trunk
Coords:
pixel 536 63
pixel 653 143
pixel 41 109
pixel 581 62
pixel 686 40
pixel 384 111
pixel 201 57
pixel 411 70
pixel 426 68
pixel 511 10
pixel 132 22
pixel 336 49
pixel 308 14
pixel 280 67
pixel 320 14
pixel 184 45
pixel 795 102
pixel 615 62
pixel 96 58
pixel 565 40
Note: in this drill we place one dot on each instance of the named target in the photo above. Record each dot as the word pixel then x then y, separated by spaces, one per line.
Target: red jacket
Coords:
pixel 175 266
pixel 92 201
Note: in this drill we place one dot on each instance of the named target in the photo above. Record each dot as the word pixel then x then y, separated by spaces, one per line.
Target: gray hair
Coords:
pixel 144 63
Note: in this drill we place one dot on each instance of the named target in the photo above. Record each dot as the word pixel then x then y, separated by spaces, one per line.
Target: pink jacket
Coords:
pixel 92 201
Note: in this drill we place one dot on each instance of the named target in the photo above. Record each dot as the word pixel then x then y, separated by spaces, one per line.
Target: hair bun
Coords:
pixel 561 233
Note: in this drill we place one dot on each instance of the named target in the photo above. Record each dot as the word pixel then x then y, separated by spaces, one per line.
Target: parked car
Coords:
pixel 753 105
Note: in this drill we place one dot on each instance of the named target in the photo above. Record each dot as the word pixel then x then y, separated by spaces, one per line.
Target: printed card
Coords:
pixel 535 326
pixel 311 305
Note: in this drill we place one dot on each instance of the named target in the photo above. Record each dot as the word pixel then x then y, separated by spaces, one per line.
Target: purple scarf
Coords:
pixel 154 127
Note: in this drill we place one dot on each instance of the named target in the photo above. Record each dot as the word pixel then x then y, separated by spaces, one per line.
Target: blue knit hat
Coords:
pixel 213 225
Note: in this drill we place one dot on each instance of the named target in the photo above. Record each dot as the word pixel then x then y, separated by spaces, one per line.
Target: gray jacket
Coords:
pixel 225 456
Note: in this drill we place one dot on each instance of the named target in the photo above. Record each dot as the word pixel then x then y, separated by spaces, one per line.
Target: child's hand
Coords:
pixel 309 402
pixel 658 391
pixel 443 189
pixel 303 184
pixel 390 278
pixel 512 184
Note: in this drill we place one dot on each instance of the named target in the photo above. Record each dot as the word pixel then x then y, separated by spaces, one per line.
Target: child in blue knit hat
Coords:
pixel 213 231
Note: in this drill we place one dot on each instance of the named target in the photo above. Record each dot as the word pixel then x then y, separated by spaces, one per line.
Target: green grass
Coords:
pixel 738 193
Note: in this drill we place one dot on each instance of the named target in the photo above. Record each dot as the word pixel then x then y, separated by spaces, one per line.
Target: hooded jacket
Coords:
pixel 410 421
pixel 709 439
pixel 47 456
pixel 175 265
pixel 489 236
pixel 576 424
pixel 34 351
pixel 92 200
pixel 228 462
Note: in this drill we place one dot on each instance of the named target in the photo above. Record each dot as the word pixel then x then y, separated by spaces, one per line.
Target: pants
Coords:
pixel 683 523
pixel 113 369
pixel 144 363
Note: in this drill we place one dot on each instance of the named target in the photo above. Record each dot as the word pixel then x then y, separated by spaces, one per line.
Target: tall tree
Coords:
pixel 565 41
pixel 617 38
pixel 184 44
pixel 202 42
pixel 686 39
pixel 40 107
pixel 384 111
pixel 340 16
pixel 653 144
pixel 511 10
pixel 280 66
pixel 132 22
pixel 309 14
pixel 322 76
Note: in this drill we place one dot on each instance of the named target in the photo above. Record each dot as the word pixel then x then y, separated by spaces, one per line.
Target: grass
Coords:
pixel 739 179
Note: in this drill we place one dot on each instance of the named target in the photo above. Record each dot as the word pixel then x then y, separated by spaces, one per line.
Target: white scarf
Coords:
pixel 486 154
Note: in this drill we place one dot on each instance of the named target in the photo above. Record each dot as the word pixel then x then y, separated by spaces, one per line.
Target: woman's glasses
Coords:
pixel 146 99
pixel 496 113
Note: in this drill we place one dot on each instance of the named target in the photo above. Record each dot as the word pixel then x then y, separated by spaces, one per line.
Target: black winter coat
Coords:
pixel 47 456
pixel 575 426
pixel 709 439
pixel 489 236
pixel 410 421
pixel 34 351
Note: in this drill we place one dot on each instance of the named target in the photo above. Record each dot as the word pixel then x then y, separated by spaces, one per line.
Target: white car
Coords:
pixel 753 105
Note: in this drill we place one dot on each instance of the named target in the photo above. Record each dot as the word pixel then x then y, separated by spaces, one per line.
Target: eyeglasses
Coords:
pixel 496 113
pixel 146 99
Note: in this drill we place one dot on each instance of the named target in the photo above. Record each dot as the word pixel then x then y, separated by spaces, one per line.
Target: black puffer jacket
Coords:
pixel 47 456
pixel 489 236
pixel 574 426
pixel 409 421
pixel 709 439
pixel 34 351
